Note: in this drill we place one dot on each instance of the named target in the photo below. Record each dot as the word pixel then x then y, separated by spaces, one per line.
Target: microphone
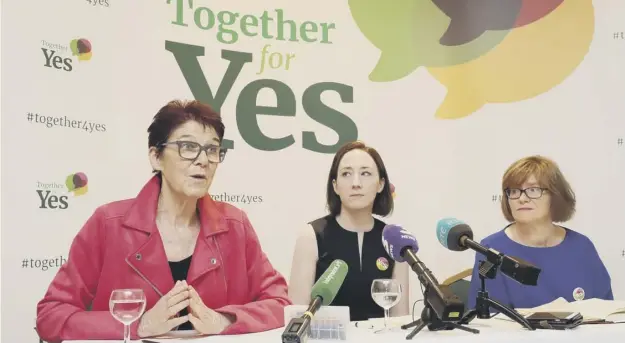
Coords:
pixel 323 293
pixel 402 246
pixel 456 235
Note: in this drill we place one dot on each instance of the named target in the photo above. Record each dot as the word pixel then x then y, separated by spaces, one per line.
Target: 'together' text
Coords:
pixel 43 264
pixel 50 122
pixel 237 198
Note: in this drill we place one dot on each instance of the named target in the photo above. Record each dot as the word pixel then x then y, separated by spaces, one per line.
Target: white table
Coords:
pixel 491 331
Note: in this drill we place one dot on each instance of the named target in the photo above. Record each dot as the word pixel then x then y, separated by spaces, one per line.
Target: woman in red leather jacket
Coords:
pixel 198 261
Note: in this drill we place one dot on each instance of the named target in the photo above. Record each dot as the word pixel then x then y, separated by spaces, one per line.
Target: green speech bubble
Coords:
pixel 408 33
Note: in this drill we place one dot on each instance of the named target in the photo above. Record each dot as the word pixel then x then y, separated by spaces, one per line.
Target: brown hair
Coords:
pixel 549 176
pixel 383 203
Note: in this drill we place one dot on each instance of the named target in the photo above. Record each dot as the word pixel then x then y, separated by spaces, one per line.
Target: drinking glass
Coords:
pixel 386 293
pixel 127 305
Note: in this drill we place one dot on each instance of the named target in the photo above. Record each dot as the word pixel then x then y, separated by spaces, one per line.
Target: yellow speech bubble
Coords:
pixel 81 191
pixel 85 56
pixel 530 61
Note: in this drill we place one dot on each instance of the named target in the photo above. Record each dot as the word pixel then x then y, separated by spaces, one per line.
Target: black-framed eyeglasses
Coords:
pixel 530 192
pixel 191 151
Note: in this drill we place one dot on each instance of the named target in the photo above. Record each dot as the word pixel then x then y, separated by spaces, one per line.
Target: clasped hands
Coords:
pixel 163 317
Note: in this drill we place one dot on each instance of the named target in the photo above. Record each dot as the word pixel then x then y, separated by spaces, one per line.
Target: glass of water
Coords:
pixel 386 293
pixel 127 305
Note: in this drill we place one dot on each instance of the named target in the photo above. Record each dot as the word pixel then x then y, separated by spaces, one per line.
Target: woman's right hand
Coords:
pixel 162 318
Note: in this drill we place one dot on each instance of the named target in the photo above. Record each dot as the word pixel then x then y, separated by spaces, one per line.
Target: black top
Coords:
pixel 179 271
pixel 334 242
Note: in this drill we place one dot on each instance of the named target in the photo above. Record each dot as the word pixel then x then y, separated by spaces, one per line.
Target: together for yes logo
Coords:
pixel 77 183
pixel 226 79
pixel 60 56
pixel 81 48
pixel 54 195
pixel 483 51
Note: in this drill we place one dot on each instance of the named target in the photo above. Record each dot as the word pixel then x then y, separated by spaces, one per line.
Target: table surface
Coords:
pixel 491 330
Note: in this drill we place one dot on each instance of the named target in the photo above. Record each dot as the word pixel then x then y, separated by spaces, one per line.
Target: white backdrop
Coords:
pixel 552 86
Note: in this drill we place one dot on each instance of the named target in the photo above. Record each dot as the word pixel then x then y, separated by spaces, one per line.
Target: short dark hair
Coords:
pixel 383 203
pixel 549 176
pixel 178 112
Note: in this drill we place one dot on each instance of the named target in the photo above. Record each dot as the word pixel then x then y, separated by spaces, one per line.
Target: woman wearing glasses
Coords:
pixel 198 261
pixel 535 195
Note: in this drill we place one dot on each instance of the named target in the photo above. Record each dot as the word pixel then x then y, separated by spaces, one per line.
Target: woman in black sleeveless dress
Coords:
pixel 358 188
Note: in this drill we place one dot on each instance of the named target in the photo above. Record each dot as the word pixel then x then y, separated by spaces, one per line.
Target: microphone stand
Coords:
pixel 483 303
pixel 433 323
pixel 430 319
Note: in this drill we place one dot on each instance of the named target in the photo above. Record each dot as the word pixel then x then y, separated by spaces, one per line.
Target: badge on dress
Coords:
pixel 579 294
pixel 382 263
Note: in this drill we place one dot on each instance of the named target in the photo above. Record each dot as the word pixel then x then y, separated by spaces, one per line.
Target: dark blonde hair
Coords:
pixel 549 176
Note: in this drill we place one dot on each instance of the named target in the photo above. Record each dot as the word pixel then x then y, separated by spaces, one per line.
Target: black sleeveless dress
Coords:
pixel 334 242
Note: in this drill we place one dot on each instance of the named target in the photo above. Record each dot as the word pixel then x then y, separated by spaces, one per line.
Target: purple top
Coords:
pixel 572 270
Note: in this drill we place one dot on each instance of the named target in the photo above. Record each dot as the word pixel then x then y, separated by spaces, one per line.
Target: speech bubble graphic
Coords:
pixel 84 57
pixel 471 18
pixel 532 10
pixel 81 48
pixel 530 61
pixel 407 32
pixel 77 183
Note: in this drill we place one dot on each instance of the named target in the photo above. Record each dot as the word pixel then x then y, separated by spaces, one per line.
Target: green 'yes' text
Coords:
pixel 247 110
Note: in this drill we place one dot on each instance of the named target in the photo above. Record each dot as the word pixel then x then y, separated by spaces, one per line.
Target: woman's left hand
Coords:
pixel 205 320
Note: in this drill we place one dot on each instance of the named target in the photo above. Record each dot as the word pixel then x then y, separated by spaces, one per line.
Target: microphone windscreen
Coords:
pixel 449 231
pixel 330 282
pixel 395 239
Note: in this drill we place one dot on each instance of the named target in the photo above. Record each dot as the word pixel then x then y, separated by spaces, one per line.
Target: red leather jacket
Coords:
pixel 120 247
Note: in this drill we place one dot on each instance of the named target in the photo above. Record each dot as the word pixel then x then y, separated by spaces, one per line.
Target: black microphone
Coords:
pixel 455 235
pixel 401 245
pixel 323 293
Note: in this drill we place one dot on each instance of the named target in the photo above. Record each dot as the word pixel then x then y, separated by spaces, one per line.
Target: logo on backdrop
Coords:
pixel 271 25
pixel 477 56
pixel 382 263
pixel 393 190
pixel 56 195
pixel 62 57
pixel 81 48
pixel 77 184
pixel 579 294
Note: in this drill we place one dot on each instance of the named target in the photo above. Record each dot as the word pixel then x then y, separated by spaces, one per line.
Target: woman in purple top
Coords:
pixel 535 195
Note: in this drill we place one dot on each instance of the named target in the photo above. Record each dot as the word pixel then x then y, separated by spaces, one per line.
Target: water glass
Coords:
pixel 127 305
pixel 386 293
